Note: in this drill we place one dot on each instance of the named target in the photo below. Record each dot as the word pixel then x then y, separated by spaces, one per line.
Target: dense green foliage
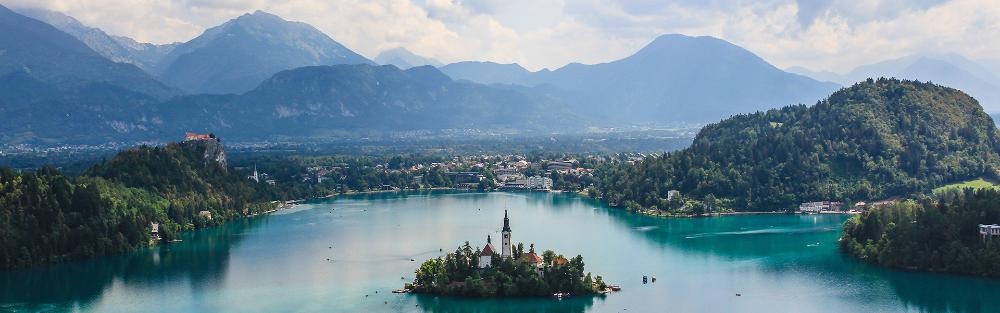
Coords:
pixel 876 139
pixel 458 274
pixel 939 234
pixel 47 217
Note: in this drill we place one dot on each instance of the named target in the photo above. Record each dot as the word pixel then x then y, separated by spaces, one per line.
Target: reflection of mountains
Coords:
pixel 201 259
pixel 541 305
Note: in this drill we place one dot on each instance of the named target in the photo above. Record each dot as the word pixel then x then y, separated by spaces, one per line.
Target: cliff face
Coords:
pixel 211 151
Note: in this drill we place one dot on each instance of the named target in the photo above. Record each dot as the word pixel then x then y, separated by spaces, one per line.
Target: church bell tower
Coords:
pixel 505 251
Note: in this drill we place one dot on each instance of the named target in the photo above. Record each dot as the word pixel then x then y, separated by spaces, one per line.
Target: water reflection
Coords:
pixel 461 305
pixel 809 243
pixel 201 259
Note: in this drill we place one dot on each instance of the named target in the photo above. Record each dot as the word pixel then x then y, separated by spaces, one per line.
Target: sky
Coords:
pixel 832 35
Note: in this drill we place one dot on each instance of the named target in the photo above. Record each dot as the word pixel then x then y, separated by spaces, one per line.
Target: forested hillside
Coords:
pixel 935 234
pixel 47 217
pixel 876 139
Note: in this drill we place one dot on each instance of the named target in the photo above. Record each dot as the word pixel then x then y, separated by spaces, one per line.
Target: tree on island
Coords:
pixel 458 274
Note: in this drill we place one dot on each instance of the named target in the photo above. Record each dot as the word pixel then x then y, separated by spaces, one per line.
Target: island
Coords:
pixel 509 272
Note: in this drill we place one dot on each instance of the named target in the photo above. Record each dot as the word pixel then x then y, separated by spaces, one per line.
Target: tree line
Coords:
pixel 48 217
pixel 938 234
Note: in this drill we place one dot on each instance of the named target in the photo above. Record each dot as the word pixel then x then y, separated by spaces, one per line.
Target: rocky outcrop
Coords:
pixel 211 150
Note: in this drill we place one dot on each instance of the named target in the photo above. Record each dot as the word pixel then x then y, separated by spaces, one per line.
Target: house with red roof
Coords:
pixel 486 256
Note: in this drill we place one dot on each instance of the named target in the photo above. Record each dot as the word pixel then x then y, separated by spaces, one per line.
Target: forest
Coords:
pixel 48 217
pixel 876 139
pixel 937 234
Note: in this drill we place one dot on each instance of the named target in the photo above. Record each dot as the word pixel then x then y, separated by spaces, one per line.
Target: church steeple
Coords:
pixel 506 222
pixel 506 249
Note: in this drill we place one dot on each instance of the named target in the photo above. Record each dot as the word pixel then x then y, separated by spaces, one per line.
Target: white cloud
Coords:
pixel 821 34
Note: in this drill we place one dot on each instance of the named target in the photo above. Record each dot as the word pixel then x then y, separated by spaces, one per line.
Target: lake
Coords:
pixel 347 254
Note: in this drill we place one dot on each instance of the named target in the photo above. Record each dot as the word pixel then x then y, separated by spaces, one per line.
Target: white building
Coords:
pixel 255 177
pixel 539 183
pixel 154 231
pixel 820 206
pixel 486 256
pixel 672 194
pixel 989 231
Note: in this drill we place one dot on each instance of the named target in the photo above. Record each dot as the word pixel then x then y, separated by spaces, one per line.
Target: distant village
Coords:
pixel 479 172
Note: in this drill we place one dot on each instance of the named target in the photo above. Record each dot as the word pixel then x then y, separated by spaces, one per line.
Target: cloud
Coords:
pixel 820 34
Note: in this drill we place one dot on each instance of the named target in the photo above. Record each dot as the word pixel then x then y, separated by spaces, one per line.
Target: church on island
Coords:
pixel 504 271
pixel 507 251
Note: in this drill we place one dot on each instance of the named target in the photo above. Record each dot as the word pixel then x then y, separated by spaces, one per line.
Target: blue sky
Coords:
pixel 821 34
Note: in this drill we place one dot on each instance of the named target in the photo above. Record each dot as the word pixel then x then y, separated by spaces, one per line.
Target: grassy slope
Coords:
pixel 978 183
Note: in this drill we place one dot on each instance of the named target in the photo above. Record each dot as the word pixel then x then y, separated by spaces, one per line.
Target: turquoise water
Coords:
pixel 278 263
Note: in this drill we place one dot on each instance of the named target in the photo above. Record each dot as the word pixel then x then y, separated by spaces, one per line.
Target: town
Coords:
pixel 348 174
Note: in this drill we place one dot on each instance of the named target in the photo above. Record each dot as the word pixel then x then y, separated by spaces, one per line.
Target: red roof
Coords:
pixel 488 250
pixel 560 261
pixel 193 136
pixel 531 258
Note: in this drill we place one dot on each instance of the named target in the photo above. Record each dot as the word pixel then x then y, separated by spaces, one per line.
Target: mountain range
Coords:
pixel 404 59
pixel 673 78
pixel 259 76
pixel 115 48
pixel 323 101
pixel 978 79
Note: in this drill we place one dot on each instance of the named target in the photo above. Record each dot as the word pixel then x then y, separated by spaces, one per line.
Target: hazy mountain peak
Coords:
pixel 673 46
pixel 239 54
pixel 116 48
pixel 945 68
pixel 403 58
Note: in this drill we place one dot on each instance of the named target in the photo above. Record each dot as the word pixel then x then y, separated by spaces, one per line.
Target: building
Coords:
pixel 535 261
pixel 486 256
pixel 989 231
pixel 509 177
pixel 194 136
pixel 506 249
pixel 538 183
pixel 464 177
pixel 820 206
pixel 516 184
pixel 154 231
pixel 884 203
pixel 673 194
pixel 205 214
pixel 559 166
pixel 505 171
pixel 255 177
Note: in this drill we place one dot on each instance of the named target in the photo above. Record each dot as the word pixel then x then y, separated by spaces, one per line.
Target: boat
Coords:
pixel 615 288
pixel 560 294
pixel 401 291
